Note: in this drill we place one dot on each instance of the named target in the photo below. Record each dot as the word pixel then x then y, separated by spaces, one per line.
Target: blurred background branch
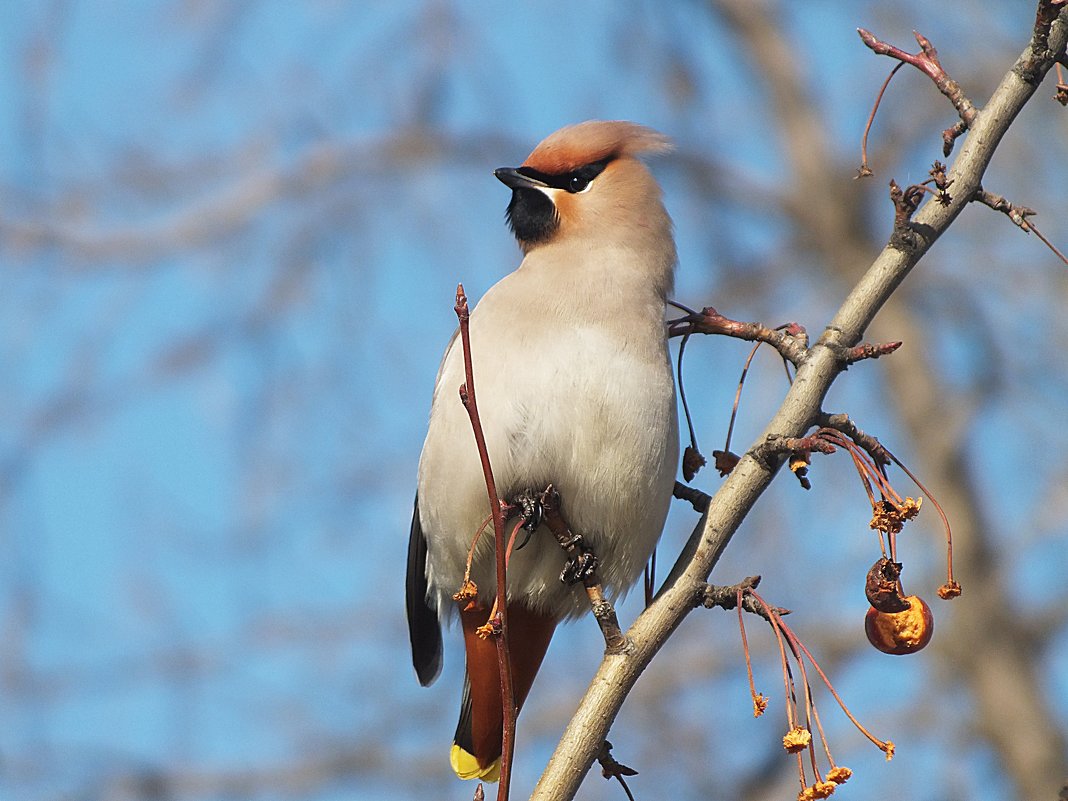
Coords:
pixel 229 239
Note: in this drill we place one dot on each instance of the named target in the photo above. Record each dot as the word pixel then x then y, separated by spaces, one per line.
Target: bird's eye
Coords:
pixel 577 183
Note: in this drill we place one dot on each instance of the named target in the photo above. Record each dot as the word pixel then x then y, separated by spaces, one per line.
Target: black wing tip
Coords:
pixel 424 629
pixel 428 671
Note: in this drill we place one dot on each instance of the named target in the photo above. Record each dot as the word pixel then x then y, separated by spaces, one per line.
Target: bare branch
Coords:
pixel 790 340
pixel 726 597
pixel 697 499
pixel 1019 216
pixel 871 445
pixel 1045 15
pixel 926 61
pixel 867 350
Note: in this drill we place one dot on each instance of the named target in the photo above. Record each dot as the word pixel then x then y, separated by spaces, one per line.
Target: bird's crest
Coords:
pixel 578 145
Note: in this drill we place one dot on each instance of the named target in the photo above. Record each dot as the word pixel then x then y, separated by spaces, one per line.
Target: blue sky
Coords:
pixel 227 258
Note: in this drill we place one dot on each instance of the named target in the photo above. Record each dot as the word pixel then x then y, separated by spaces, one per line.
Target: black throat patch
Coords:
pixel 532 216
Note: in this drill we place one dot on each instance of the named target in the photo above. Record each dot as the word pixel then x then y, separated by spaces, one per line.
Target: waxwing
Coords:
pixel 574 388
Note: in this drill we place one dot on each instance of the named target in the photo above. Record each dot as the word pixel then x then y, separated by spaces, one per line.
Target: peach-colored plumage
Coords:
pixel 577 145
pixel 575 389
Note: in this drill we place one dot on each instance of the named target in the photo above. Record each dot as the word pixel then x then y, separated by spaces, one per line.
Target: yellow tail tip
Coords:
pixel 466 766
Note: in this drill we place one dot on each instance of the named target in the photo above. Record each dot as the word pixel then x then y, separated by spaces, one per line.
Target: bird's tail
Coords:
pixel 476 749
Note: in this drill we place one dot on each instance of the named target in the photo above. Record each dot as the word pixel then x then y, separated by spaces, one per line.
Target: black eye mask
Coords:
pixel 574 181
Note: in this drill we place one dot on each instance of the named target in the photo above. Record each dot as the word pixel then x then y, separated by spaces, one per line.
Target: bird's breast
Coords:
pixel 587 405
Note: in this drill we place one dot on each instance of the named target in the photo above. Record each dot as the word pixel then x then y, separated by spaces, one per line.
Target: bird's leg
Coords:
pixel 582 566
pixel 582 562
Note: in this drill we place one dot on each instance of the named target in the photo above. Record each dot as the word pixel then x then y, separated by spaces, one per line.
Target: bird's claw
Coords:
pixel 581 567
pixel 531 512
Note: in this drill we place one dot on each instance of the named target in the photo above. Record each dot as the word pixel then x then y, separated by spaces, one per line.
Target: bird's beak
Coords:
pixel 513 179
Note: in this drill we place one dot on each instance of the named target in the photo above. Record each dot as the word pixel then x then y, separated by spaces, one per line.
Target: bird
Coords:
pixel 575 389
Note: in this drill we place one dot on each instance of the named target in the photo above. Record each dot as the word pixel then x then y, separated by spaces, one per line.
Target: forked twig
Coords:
pixel 926 61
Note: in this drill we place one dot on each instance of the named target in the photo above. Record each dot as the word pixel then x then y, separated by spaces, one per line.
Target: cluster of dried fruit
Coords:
pixel 897 623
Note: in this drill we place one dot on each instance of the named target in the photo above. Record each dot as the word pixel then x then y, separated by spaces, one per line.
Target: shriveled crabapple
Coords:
pixel 882 589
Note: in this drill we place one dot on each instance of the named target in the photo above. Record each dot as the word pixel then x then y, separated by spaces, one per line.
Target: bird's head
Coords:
pixel 585 183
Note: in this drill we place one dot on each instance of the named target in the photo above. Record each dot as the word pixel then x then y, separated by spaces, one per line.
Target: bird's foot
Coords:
pixel 581 566
pixel 527 505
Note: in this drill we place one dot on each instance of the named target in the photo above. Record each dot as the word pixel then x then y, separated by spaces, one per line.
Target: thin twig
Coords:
pixel 790 340
pixel 504 662
pixel 1019 215
pixel 865 170
pixel 611 768
pixel 696 498
pixel 926 61
pixel 842 423
pixel 868 350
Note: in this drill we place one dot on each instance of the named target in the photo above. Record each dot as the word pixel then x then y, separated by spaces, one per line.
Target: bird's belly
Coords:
pixel 603 432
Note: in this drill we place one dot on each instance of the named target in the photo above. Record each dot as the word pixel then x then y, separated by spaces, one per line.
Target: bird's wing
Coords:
pixel 423 626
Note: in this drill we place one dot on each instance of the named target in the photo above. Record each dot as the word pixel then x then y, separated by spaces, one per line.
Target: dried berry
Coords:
pixel 900 632
pixel 725 461
pixel 882 589
pixel 692 462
